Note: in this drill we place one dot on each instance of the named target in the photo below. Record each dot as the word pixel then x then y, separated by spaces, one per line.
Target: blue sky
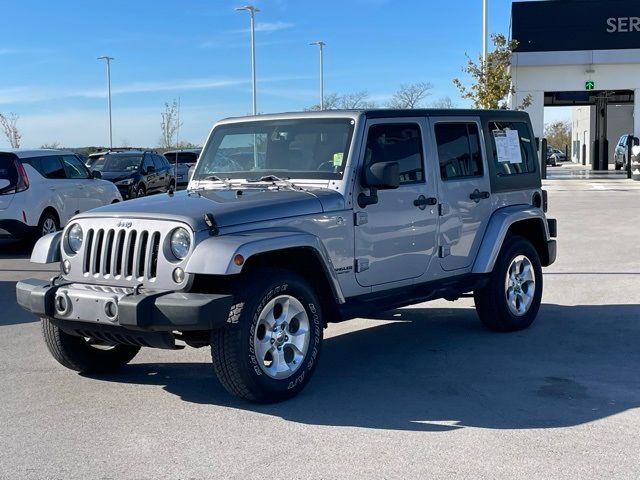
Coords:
pixel 199 51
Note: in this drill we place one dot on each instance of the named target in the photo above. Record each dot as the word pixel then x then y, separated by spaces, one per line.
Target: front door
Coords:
pixel 395 238
pixel 464 189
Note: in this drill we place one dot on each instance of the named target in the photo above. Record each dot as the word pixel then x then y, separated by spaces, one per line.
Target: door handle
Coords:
pixel 422 202
pixel 477 195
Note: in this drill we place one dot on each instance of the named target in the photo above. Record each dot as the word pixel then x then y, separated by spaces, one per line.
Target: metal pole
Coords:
pixel 252 11
pixel 485 16
pixel 321 44
pixel 108 60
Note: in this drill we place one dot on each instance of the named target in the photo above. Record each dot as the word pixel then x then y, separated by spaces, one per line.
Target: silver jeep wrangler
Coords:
pixel 293 221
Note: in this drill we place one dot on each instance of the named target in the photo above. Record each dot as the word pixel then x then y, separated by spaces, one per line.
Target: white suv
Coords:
pixel 40 190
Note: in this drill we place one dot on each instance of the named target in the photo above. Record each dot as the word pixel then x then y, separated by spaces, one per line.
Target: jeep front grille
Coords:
pixel 121 254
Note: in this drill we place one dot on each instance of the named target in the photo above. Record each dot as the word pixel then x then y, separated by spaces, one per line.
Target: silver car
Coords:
pixel 182 161
pixel 294 221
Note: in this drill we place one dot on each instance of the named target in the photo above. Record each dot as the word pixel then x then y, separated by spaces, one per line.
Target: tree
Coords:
pixel 410 95
pixel 170 124
pixel 182 144
pixel 51 145
pixel 558 134
pixel 10 129
pixel 491 82
pixel 334 101
pixel 443 102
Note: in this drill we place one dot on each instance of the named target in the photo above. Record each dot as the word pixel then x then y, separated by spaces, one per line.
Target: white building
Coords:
pixel 563 45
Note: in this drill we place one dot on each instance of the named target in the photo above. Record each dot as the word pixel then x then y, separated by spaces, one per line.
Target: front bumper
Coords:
pixel 122 307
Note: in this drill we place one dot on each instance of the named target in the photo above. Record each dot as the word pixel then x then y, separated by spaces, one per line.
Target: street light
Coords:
pixel 108 60
pixel 485 16
pixel 321 44
pixel 252 11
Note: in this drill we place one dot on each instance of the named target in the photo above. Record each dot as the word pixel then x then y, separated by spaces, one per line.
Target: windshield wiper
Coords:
pixel 215 178
pixel 274 179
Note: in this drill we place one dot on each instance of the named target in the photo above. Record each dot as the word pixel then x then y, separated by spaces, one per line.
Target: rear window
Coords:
pixel 514 150
pixel 118 163
pixel 8 169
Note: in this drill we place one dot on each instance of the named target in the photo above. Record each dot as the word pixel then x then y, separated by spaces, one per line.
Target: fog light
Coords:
pixel 62 304
pixel 178 275
pixel 111 309
pixel 66 267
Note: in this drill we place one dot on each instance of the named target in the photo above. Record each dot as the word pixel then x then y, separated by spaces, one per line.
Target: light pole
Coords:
pixel 485 16
pixel 252 11
pixel 108 60
pixel 321 44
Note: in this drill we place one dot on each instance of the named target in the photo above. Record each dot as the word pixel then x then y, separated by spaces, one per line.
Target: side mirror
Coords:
pixel 382 175
pixel 96 174
pixel 636 141
pixel 379 176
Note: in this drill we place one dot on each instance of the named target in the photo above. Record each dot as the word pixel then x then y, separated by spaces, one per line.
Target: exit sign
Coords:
pixel 589 85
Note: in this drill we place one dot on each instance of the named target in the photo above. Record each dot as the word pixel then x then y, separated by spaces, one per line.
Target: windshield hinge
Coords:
pixel 211 224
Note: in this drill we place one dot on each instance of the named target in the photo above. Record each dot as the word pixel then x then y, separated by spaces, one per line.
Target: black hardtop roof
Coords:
pixel 442 112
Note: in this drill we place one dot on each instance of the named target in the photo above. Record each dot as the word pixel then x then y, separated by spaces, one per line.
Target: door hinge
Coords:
pixel 443 209
pixel 444 251
pixel 360 218
pixel 362 264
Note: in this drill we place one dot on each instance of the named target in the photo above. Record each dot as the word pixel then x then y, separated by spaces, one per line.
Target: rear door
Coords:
pixel 59 191
pixel 465 204
pixel 162 172
pixel 89 196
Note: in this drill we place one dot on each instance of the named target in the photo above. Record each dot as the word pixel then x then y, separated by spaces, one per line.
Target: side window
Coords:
pixel 147 162
pixel 458 150
pixel 74 167
pixel 514 151
pixel 397 142
pixel 51 167
pixel 158 163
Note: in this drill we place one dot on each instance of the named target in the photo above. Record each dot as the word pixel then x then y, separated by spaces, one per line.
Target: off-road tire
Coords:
pixel 76 354
pixel 232 347
pixel 618 166
pixel 491 302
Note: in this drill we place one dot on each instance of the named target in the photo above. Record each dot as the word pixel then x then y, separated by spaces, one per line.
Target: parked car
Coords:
pixel 136 173
pixel 344 214
pixel 186 159
pixel 621 151
pixel 559 154
pixel 555 156
pixel 40 190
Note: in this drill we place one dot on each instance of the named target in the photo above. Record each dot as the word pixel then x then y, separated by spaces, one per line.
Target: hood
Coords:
pixel 227 206
pixel 116 176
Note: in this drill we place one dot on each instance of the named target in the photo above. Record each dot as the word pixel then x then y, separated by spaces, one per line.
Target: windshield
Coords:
pixel 117 163
pixel 303 148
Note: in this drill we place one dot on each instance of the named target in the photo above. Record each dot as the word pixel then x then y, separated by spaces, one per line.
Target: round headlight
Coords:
pixel 180 243
pixel 74 238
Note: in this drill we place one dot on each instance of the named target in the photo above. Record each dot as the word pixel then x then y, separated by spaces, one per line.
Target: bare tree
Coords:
pixel 10 129
pixel 443 102
pixel 334 101
pixel 170 123
pixel 356 100
pixel 410 95
pixel 51 145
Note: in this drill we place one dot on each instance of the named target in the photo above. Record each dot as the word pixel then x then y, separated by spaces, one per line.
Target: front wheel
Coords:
pixel 511 299
pixel 269 348
pixel 618 166
pixel 85 355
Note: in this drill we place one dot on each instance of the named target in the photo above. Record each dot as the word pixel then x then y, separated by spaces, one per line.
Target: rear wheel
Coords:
pixel 268 350
pixel 84 354
pixel 511 299
pixel 47 224
pixel 618 166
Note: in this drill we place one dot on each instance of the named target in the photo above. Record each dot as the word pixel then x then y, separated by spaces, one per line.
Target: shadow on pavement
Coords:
pixel 439 369
pixel 13 249
pixel 10 312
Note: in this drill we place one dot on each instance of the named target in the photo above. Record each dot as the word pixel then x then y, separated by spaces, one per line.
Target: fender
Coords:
pixel 497 230
pixel 47 249
pixel 214 256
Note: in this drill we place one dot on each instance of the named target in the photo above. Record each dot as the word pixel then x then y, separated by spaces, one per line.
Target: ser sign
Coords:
pixel 623 24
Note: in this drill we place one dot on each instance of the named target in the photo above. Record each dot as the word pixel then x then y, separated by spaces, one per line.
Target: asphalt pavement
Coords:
pixel 419 392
